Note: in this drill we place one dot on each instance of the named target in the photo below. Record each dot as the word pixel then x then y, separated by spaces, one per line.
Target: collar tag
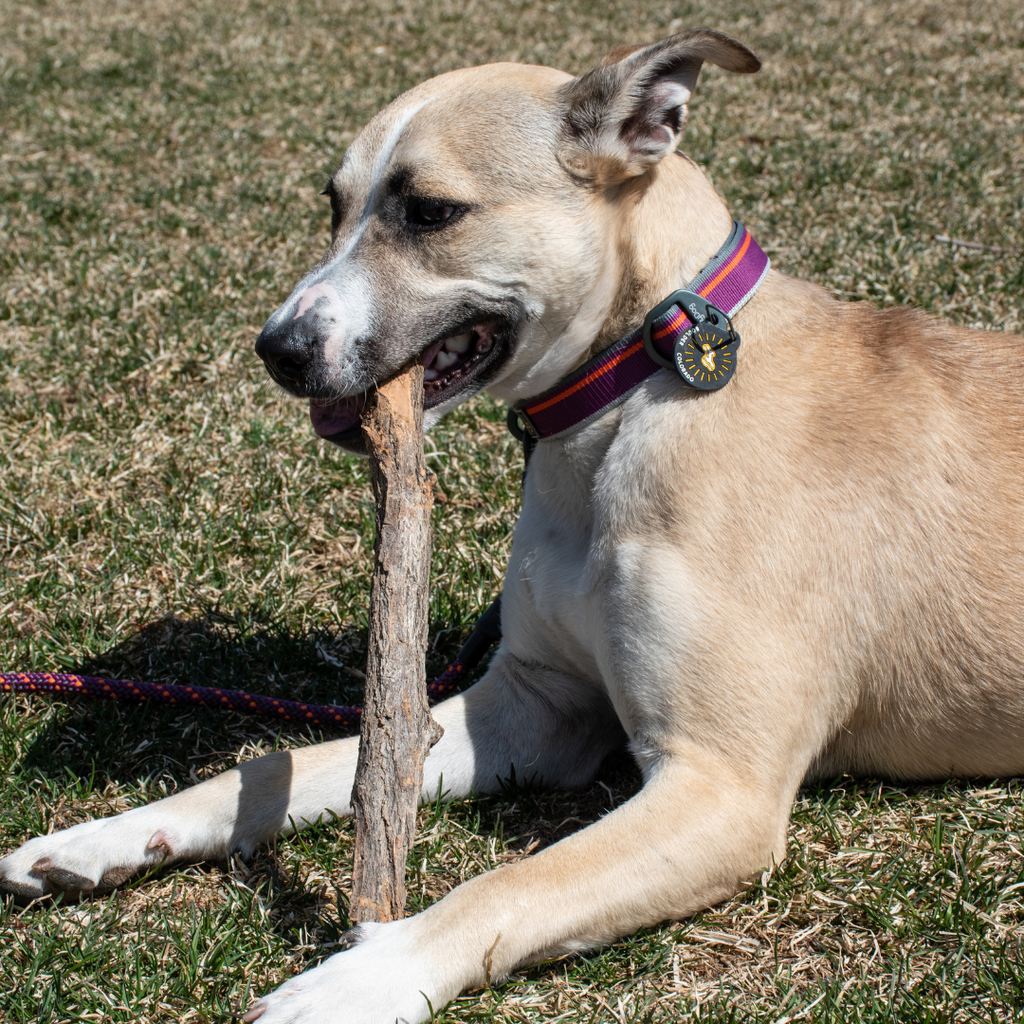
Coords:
pixel 704 355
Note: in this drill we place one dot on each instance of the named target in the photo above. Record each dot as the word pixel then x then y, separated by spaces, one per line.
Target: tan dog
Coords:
pixel 818 568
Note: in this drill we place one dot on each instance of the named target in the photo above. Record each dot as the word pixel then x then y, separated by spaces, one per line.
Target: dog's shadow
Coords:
pixel 96 746
pixel 109 741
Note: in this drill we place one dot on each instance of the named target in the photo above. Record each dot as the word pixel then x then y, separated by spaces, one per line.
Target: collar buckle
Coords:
pixel 700 312
pixel 519 424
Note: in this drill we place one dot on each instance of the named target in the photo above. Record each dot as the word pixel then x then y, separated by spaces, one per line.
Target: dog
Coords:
pixel 815 568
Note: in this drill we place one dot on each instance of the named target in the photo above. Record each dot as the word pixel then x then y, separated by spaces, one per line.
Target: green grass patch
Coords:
pixel 167 514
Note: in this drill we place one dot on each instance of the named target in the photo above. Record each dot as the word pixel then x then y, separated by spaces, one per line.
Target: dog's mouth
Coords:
pixel 450 365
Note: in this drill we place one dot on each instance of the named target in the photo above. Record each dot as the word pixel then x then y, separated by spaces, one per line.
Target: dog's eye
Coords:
pixel 428 213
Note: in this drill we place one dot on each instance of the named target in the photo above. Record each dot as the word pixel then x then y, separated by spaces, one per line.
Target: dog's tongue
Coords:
pixel 337 417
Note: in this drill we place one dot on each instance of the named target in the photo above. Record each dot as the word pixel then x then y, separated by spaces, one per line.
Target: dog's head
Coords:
pixel 473 227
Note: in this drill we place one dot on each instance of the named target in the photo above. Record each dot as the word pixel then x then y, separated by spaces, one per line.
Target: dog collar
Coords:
pixel 686 331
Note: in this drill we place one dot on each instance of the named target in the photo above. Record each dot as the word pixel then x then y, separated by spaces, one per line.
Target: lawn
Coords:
pixel 167 514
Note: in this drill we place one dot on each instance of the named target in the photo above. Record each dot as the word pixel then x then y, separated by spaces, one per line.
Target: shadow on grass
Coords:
pixel 106 740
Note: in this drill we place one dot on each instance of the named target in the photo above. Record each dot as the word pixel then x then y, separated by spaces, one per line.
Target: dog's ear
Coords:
pixel 628 113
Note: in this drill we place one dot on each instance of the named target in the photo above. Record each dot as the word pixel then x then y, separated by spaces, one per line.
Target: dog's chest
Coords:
pixel 551 603
pixel 584 592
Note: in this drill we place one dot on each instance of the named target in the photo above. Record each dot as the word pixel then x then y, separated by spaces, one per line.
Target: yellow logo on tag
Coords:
pixel 708 359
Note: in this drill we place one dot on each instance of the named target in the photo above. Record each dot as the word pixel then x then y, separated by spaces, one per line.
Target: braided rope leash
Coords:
pixel 339 716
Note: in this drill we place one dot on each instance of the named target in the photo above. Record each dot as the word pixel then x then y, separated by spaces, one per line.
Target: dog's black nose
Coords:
pixel 286 350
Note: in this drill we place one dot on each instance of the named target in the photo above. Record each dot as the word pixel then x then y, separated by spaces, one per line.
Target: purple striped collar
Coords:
pixel 727 281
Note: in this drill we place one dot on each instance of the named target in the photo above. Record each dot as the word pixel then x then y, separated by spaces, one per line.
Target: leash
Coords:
pixel 486 631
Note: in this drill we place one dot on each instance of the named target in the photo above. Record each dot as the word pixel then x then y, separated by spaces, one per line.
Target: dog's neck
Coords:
pixel 667 225
pixel 657 231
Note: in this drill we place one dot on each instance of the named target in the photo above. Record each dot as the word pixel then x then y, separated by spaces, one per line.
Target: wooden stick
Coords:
pixel 396 730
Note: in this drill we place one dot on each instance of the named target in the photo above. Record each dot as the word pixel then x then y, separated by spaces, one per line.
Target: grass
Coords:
pixel 167 514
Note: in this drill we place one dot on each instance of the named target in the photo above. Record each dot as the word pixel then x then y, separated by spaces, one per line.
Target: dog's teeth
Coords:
pixel 429 374
pixel 484 344
pixel 445 359
pixel 458 344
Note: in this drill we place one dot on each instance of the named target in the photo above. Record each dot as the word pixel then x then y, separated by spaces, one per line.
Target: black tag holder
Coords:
pixel 704 356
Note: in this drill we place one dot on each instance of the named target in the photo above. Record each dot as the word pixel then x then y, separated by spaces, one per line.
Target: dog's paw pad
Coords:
pixel 161 842
pixel 113 877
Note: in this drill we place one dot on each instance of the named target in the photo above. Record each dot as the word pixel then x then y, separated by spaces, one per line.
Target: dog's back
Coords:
pixel 939 428
pixel 896 458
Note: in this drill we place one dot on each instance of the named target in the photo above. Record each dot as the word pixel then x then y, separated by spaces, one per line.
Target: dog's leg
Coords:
pixel 700 827
pixel 496 728
pixel 228 813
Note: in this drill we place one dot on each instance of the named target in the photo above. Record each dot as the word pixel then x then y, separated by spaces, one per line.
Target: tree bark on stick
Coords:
pixel 396 731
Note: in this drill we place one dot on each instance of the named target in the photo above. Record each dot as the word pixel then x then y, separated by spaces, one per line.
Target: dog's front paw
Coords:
pixel 88 859
pixel 380 979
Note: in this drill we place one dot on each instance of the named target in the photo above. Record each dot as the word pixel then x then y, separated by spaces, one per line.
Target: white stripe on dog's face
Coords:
pixel 337 275
pixel 380 165
pixel 348 319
